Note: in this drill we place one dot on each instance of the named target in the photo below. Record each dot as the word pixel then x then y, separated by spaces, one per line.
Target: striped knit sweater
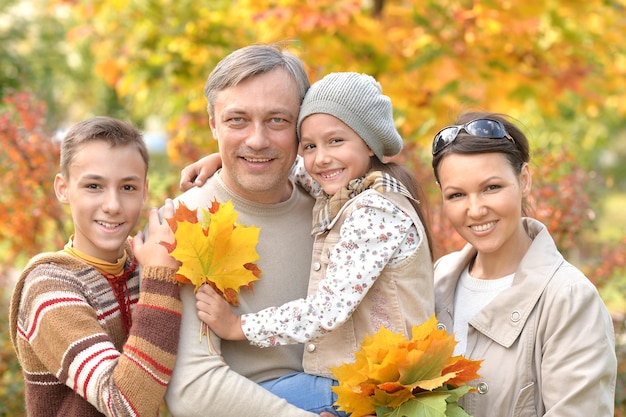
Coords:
pixel 70 340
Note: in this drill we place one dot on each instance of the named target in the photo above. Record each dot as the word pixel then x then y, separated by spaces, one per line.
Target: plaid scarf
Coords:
pixel 327 207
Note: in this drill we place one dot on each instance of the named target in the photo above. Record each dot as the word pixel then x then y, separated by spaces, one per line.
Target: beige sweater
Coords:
pixel 203 384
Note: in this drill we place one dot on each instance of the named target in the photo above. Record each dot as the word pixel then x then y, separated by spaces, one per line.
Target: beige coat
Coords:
pixel 547 342
pixel 404 292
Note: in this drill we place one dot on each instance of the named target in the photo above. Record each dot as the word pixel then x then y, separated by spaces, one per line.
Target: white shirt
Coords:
pixel 472 295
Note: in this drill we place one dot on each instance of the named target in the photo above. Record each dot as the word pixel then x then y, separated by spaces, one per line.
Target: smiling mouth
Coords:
pixel 483 227
pixel 108 225
pixel 256 160
pixel 330 175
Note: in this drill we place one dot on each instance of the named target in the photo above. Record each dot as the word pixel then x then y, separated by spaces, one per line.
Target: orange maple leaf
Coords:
pixel 213 248
pixel 464 369
pixel 390 371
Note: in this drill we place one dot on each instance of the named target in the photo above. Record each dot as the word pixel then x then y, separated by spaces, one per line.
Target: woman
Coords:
pixel 509 296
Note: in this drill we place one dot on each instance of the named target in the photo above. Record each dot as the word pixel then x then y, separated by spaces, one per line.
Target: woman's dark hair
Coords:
pixel 517 151
pixel 412 185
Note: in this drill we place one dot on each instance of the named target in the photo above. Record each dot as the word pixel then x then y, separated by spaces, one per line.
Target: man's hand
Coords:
pixel 196 174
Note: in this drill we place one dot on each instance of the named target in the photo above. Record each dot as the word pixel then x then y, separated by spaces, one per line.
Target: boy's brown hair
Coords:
pixel 112 131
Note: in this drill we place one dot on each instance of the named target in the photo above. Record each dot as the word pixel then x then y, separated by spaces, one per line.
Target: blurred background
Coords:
pixel 557 66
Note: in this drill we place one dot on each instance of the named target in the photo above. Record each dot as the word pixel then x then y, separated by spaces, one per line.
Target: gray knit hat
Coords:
pixel 358 101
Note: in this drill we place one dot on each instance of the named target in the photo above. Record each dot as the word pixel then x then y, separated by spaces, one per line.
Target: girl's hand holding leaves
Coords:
pixel 216 313
pixel 214 249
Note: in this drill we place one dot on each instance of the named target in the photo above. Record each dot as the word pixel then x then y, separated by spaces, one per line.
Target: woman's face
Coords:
pixel 482 198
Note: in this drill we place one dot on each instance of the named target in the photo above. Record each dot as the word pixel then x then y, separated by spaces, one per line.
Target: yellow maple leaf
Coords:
pixel 389 371
pixel 215 249
pixel 191 250
pixel 353 401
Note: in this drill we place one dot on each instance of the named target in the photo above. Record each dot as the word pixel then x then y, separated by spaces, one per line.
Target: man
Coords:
pixel 254 96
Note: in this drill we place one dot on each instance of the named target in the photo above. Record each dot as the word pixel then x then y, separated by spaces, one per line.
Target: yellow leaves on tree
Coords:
pixel 395 376
pixel 213 248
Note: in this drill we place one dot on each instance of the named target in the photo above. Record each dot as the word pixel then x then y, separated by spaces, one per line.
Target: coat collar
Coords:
pixel 503 319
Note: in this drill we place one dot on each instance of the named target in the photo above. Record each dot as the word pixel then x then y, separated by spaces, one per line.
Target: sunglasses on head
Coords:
pixel 483 128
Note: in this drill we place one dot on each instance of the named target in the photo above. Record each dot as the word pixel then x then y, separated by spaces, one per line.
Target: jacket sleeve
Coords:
pixel 203 385
pixel 579 364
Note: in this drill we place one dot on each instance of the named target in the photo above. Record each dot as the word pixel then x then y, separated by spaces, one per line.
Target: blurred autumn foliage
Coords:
pixel 29 211
pixel 558 66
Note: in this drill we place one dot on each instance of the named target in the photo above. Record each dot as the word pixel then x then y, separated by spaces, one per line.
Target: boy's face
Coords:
pixel 106 190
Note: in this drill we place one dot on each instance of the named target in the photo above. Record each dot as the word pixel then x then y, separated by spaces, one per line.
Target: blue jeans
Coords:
pixel 309 392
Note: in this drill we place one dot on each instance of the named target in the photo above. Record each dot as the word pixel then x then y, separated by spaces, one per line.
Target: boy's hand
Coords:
pixel 150 252
pixel 196 174
pixel 217 314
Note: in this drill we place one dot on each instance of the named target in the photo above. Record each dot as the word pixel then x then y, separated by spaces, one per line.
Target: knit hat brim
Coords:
pixel 356 100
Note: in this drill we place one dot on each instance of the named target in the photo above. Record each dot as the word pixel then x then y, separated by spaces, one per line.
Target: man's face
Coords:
pixel 255 125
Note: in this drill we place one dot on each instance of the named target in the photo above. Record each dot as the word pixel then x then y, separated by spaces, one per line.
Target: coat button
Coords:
pixel 516 316
pixel 441 326
pixel 482 387
pixel 310 347
pixel 317 266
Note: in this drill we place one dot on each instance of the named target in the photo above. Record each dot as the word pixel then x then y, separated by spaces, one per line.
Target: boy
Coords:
pixel 253 97
pixel 91 340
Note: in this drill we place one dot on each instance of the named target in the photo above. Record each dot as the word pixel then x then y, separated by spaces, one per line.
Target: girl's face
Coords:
pixel 333 153
pixel 482 199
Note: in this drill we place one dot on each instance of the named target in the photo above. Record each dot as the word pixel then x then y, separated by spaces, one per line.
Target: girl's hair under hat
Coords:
pixel 357 100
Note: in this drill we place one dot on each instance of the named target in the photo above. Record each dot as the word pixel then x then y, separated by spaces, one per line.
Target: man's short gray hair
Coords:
pixel 250 61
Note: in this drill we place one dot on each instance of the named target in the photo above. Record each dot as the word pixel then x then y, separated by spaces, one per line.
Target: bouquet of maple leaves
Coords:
pixel 394 377
pixel 214 249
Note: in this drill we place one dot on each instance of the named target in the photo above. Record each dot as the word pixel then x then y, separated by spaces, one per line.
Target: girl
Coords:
pixel 509 296
pixel 371 263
